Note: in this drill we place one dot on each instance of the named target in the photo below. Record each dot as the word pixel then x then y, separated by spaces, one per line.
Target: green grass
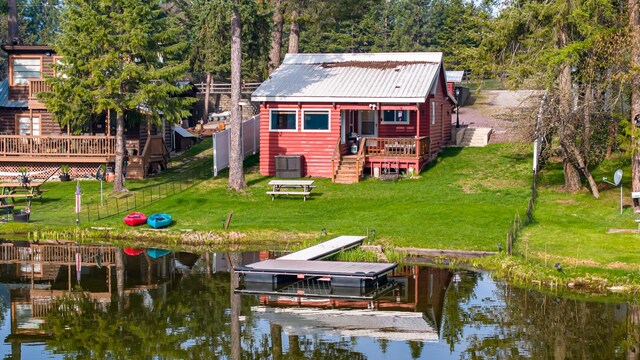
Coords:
pixel 465 200
pixel 572 228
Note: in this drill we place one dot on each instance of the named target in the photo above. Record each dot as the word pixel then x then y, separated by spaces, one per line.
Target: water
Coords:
pixel 181 306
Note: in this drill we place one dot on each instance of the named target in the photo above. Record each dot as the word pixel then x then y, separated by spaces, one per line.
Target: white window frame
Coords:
pixel 328 111
pixel 433 113
pixel 35 125
pixel 395 116
pixel 13 69
pixel 283 110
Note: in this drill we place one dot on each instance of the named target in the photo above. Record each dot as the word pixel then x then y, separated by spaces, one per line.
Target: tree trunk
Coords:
pixel 578 162
pixel 207 93
pixel 633 315
pixel 276 341
pixel 118 183
pixel 236 173
pixel 276 36
pixel 294 32
pixel 586 136
pixel 235 259
pixel 566 127
pixel 120 279
pixel 634 31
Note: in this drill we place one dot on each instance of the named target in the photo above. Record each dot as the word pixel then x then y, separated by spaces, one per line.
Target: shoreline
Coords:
pixel 513 269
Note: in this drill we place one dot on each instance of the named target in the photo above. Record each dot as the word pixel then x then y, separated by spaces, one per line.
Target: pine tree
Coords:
pixel 119 55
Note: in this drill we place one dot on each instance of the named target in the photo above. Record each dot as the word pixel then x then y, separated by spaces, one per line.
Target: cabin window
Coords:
pixel 395 117
pixel 315 120
pixel 283 120
pixel 25 69
pixel 24 125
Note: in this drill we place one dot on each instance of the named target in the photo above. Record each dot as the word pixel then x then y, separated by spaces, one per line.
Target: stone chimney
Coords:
pixel 13 23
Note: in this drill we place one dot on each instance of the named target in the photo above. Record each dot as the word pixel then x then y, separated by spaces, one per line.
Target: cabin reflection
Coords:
pixel 420 291
pixel 34 276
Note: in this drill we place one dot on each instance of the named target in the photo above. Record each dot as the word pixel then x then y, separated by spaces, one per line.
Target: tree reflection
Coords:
pixel 543 326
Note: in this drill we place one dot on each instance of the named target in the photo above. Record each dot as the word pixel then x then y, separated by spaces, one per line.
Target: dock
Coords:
pixel 326 249
pixel 302 273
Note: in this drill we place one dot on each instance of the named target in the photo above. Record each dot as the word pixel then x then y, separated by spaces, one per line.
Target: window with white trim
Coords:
pixel 433 113
pixel 395 117
pixel 283 120
pixel 24 125
pixel 25 69
pixel 315 120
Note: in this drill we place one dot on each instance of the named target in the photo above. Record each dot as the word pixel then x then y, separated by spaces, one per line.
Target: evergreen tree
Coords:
pixel 39 21
pixel 122 56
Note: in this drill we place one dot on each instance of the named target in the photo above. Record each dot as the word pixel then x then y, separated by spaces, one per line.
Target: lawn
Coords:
pixel 464 200
pixel 571 229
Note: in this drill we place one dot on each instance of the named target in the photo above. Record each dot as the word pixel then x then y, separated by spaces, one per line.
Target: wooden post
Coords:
pixel 108 122
pixel 226 224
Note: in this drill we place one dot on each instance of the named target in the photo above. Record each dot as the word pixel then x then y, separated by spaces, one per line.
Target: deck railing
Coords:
pixel 58 146
pixel 58 254
pixel 408 147
pixel 37 86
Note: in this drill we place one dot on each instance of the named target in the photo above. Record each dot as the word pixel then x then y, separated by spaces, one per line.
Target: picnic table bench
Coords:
pixel 291 187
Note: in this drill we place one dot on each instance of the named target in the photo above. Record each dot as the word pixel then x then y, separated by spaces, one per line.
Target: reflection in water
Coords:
pixel 181 305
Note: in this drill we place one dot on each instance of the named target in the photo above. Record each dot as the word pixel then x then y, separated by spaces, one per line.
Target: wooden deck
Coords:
pixel 325 249
pixel 77 149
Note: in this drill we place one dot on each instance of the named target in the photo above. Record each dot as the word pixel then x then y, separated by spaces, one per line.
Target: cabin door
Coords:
pixel 368 123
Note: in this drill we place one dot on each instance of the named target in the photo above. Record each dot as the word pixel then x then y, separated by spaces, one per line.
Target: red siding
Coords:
pixel 316 147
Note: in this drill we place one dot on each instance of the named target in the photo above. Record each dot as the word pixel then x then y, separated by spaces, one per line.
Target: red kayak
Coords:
pixel 132 251
pixel 135 219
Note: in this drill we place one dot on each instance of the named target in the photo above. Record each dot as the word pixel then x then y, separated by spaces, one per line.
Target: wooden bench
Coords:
pixel 303 193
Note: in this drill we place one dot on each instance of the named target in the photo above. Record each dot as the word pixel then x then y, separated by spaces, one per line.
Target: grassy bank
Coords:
pixel 465 200
pixel 573 231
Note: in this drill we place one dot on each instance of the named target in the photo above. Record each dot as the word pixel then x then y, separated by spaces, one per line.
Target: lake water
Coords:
pixel 181 305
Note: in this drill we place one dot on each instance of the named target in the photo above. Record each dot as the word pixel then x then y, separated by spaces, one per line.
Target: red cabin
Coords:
pixel 345 115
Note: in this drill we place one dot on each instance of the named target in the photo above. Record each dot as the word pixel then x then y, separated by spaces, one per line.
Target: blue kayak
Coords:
pixel 157 221
pixel 157 253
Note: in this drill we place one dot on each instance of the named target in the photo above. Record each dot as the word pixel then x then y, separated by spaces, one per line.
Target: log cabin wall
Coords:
pixel 439 110
pixel 9 122
pixel 21 91
pixel 317 147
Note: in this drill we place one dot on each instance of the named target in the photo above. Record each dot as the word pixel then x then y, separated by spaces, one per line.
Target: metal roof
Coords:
pixel 183 132
pixel 390 325
pixel 455 76
pixel 364 78
pixel 4 97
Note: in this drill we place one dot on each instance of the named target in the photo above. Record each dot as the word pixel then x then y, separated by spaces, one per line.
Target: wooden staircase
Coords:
pixel 155 156
pixel 348 171
pixel 477 137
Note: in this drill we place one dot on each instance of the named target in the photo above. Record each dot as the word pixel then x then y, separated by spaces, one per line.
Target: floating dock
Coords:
pixel 301 273
pixel 325 249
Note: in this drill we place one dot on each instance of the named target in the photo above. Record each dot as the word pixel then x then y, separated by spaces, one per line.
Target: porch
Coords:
pixel 386 154
pixel 58 148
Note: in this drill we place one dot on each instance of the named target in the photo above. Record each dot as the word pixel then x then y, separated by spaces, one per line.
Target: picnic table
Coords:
pixel 14 190
pixel 291 187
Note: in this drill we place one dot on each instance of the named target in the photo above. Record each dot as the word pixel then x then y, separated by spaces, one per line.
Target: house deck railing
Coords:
pixel 37 86
pixel 100 146
pixel 400 147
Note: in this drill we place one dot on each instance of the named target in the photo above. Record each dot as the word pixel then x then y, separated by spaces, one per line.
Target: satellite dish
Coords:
pixel 617 177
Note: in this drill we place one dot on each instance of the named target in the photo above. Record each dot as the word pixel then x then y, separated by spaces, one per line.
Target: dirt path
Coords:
pixel 487 106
